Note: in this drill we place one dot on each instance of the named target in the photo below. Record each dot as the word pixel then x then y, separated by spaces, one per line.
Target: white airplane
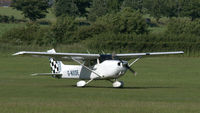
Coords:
pixel 91 66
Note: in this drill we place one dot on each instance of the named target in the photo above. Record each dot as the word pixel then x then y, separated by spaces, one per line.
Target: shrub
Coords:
pixel 7 19
pixel 184 26
pixel 125 21
pixel 30 34
pixel 64 28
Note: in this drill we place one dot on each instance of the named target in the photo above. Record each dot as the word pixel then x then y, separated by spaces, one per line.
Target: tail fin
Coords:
pixel 56 66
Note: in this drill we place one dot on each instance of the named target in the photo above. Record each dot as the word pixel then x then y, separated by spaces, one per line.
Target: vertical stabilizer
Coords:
pixel 56 66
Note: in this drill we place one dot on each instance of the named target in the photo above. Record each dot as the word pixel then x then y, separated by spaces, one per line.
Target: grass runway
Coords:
pixel 162 85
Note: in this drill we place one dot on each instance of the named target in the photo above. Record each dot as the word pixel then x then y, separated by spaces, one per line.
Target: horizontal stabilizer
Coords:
pixel 46 74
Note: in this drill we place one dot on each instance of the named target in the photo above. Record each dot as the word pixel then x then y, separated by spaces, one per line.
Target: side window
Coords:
pixel 90 62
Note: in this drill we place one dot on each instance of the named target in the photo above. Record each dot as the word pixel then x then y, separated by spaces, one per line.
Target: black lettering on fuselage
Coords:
pixel 73 73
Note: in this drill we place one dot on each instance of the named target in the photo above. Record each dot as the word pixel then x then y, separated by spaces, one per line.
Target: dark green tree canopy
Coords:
pixel 65 7
pixel 32 9
pixel 126 21
pixel 134 4
pixel 101 7
pixel 191 8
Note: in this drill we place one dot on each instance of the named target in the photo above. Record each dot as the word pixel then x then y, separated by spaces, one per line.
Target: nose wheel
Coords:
pixel 117 84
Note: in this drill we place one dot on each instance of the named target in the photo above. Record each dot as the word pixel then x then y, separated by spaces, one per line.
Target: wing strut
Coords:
pixel 86 67
pixel 135 61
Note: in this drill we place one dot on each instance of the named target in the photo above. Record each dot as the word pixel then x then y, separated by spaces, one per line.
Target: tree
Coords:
pixel 65 7
pixel 171 8
pixel 134 4
pixel 191 8
pixel 102 7
pixel 126 21
pixel 32 9
pixel 82 5
pixel 157 9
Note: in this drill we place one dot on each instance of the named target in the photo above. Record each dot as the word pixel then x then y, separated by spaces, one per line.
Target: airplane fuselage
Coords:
pixel 108 69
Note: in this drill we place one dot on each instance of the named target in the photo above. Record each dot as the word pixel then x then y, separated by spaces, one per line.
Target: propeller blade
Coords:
pixel 113 55
pixel 133 71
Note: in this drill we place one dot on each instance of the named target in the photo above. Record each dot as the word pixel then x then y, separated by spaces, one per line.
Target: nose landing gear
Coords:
pixel 118 84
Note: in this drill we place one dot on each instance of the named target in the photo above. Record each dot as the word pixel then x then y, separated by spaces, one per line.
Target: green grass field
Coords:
pixel 5 27
pixel 11 12
pixel 163 85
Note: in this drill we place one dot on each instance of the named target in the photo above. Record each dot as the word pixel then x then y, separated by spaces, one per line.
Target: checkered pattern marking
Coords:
pixel 54 66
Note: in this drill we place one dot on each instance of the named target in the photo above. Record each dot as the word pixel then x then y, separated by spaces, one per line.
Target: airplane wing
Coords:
pixel 59 56
pixel 85 56
pixel 131 55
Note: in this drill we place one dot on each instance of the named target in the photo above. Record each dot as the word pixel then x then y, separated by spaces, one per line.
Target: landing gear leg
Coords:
pixel 82 83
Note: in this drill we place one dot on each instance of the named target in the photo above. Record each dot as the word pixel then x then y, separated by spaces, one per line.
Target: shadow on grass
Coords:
pixel 87 87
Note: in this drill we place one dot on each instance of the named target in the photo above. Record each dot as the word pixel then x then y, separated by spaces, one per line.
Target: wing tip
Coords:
pixel 19 53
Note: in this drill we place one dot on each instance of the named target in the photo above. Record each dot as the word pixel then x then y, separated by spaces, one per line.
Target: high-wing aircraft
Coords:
pixel 91 66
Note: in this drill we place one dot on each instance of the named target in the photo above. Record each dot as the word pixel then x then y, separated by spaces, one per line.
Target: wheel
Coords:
pixel 118 84
pixel 81 83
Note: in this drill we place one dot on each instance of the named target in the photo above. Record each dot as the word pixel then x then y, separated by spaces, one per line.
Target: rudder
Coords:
pixel 56 66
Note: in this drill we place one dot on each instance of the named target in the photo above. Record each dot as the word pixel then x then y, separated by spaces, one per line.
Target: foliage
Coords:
pixel 125 21
pixel 82 6
pixel 191 8
pixel 134 4
pixel 184 26
pixel 65 7
pixel 110 41
pixel 32 9
pixel 63 29
pixel 7 19
pixel 157 9
pixel 84 32
pixel 28 35
pixel 102 7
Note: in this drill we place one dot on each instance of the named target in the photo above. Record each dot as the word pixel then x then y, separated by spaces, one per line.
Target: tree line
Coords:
pixel 36 9
pixel 118 25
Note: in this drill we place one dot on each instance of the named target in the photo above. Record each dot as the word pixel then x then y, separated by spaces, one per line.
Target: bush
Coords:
pixel 125 21
pixel 110 41
pixel 184 26
pixel 7 19
pixel 64 29
pixel 28 35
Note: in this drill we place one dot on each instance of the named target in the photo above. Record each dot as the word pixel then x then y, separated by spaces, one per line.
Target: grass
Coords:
pixel 5 27
pixel 157 30
pixel 8 11
pixel 163 85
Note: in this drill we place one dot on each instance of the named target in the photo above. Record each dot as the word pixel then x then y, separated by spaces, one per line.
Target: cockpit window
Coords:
pixel 90 62
pixel 106 57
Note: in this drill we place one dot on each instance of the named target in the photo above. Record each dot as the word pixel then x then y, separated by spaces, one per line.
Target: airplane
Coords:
pixel 90 66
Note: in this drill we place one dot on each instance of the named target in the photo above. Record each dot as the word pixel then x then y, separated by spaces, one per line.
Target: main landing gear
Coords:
pixel 115 84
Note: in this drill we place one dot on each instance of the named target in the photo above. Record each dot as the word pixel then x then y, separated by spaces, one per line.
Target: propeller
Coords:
pixel 129 68
pixel 113 55
pixel 125 64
